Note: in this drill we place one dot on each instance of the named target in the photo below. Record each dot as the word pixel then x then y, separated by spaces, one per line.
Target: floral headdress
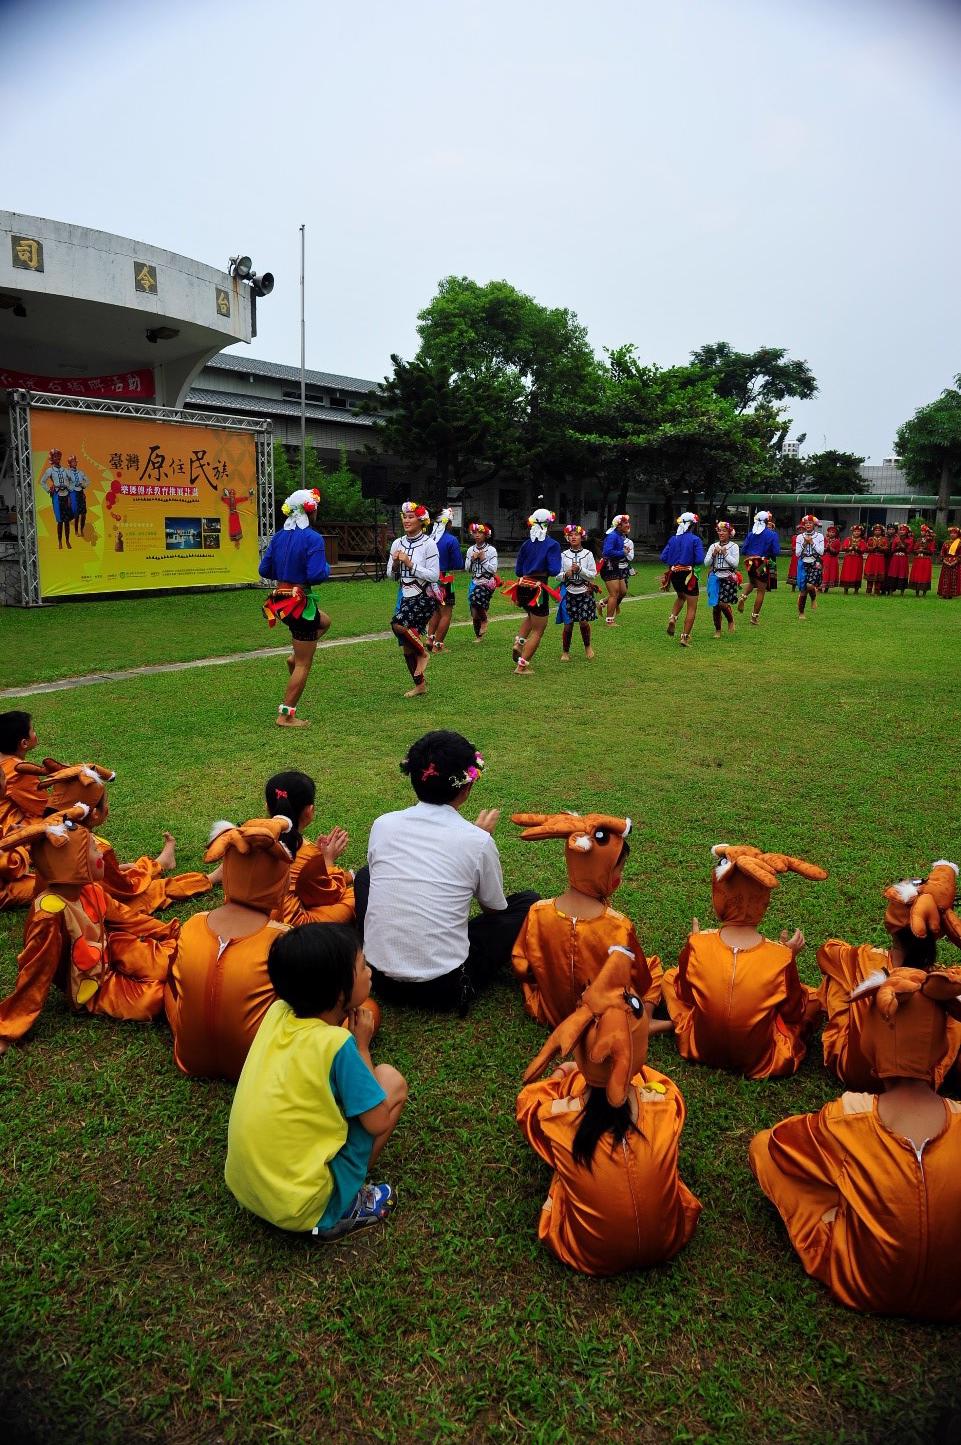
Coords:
pixel 470 773
pixel 729 527
pixel 479 529
pixel 299 508
pixel 809 519
pixel 621 517
pixel 685 522
pixel 440 523
pixel 539 521
pixel 414 509
pixel 574 529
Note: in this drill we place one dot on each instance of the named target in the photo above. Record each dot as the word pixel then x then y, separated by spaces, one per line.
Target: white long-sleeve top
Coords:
pixel 722 558
pixel 481 562
pixel 583 559
pixel 816 540
pixel 424 566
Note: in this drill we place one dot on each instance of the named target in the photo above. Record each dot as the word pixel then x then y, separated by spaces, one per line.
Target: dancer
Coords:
pixel 415 562
pixel 450 561
pixel 481 563
pixel 949 583
pixel 921 564
pixel 899 564
pixel 869 1188
pixel 297 561
pixel 761 547
pixel 565 941
pixel 808 549
pixel 578 570
pixel 538 559
pixel 683 553
pixel 56 479
pixel 609 1126
pixel 736 998
pixel 722 559
pixel 616 564
pixel 830 570
pixel 919 911
pixel 231 501
pixel 876 562
pixel 853 550
pixel 79 482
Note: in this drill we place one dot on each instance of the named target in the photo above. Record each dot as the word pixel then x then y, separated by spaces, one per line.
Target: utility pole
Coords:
pixel 303 369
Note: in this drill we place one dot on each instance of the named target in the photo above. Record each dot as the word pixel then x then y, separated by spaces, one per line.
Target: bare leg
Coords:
pixel 586 639
pixel 394 1086
pixel 758 603
pixel 716 614
pixel 535 632
pixel 621 594
pixel 523 632
pixel 440 622
pixel 303 662
pixel 612 600
pixel 689 616
pixel 567 634
pixel 729 614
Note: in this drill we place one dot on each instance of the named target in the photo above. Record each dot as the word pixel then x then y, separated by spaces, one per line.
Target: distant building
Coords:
pixel 791 449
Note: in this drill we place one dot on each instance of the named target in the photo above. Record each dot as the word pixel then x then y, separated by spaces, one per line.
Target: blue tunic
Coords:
pixel 613 547
pixel 763 544
pixel 448 550
pixel 298 557
pixel 684 551
pixel 535 557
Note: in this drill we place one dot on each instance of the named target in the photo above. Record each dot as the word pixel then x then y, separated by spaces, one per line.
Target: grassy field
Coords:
pixel 137 1301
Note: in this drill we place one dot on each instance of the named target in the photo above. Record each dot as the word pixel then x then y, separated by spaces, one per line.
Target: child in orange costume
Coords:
pixel 107 959
pixel 218 989
pixel 736 999
pixel 139 885
pixel 918 912
pixel 317 891
pixel 20 801
pixel 609 1126
pixel 564 942
pixel 870 1188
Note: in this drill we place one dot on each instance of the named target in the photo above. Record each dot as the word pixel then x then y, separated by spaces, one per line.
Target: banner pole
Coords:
pixel 303 369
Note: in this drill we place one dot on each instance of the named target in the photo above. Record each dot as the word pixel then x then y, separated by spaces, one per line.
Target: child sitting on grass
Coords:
pixel 312 1112
pixel 317 891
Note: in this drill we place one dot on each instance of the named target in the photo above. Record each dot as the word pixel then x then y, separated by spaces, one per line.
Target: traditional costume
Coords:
pixel 577 605
pixel 684 552
pixel 925 907
pixel 481 564
pixel 853 550
pixel 722 561
pixel 231 501
pixel 808 551
pixel 921 565
pixel 899 565
pixel 79 482
pixel 759 553
pixel 296 560
pixel 538 559
pixel 743 1009
pixel 829 562
pixel 949 582
pixel 874 1215
pixel 419 579
pixel 876 564
pixel 615 557
pixel 793 564
pixel 627 1209
pixel 555 956
pixel 449 558
pixel 219 989
pixel 107 959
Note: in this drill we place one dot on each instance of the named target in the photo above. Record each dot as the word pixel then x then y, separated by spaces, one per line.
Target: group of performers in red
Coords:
pixel 888 560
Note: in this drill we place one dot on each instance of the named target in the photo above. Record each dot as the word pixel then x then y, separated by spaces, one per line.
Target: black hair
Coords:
pixel 14 727
pixel 918 952
pixel 290 793
pixel 436 763
pixel 599 1118
pixel 312 967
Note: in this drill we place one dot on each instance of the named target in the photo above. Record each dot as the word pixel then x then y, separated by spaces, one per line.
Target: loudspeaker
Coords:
pixel 378 483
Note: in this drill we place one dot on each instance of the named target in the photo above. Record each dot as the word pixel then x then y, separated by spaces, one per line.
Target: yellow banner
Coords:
pixel 127 505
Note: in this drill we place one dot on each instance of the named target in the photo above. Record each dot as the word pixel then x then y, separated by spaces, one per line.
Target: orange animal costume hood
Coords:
pixel 256 862
pixel 904 1033
pixel 926 905
pixel 596 844
pixel 744 878
pixel 84 783
pixel 607 1034
pixel 59 848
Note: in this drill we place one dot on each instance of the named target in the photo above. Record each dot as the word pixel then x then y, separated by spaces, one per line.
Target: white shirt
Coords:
pixel 427 864
pixel 425 566
pixel 481 563
pixel 584 559
pixel 815 541
pixel 722 558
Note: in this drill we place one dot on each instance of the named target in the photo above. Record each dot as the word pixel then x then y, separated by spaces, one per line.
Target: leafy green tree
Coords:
pixel 833 472
pixel 284 482
pixel 340 494
pixel 752 378
pixel 929 447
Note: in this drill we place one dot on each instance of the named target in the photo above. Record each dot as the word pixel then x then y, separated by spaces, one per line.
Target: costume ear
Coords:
pixel 229 838
pixel 952 926
pixel 803 868
pixel 548 825
pixel 613 1041
pixel 52 827
pixel 29 770
pixel 561 1041
pixel 757 868
pixel 943 986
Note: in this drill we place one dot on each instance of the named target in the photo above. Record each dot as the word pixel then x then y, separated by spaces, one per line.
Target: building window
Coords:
pixel 337 400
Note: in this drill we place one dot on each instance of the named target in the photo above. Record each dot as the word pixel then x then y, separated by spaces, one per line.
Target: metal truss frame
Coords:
pixel 23 402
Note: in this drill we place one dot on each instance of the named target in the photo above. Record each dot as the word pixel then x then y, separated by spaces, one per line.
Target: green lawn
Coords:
pixel 137 1302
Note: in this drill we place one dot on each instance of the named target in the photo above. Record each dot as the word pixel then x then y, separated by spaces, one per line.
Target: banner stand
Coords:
pixel 24 405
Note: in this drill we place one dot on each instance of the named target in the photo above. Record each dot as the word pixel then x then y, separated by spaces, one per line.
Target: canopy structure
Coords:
pixel 829 499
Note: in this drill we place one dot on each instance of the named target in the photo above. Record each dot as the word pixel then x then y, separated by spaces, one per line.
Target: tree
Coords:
pixel 340 495
pixel 832 472
pixel 749 378
pixel 284 482
pixel 928 447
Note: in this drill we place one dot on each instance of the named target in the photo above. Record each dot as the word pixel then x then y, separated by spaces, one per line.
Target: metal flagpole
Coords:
pixel 303 371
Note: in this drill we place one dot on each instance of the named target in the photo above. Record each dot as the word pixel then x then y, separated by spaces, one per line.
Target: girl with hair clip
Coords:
pixel 736 999
pixel 853 550
pixel 481 564
pixel 609 1126
pixel 415 561
pixel 577 573
pixel 683 553
pixel 919 911
pixel 808 549
pixel 869 1188
pixel 617 554
pixel 921 563
pixel 317 890
pixel 722 559
pixel 760 553
pixel 450 561
pixel 297 561
pixel 538 559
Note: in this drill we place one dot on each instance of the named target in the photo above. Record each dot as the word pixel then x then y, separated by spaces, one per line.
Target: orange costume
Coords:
pixel 20 800
pixel 140 884
pixel 743 1009
pixel 627 1209
pixel 219 989
pixel 316 893
pixel 107 959
pixel 556 956
pixel 874 1215
pixel 925 908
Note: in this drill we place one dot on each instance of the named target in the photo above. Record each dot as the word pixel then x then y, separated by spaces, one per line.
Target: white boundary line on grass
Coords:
pixel 64 684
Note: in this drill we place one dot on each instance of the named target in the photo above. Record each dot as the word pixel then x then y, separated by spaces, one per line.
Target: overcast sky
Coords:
pixel 781 173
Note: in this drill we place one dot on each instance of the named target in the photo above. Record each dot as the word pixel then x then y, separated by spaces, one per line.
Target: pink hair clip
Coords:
pixel 429 772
